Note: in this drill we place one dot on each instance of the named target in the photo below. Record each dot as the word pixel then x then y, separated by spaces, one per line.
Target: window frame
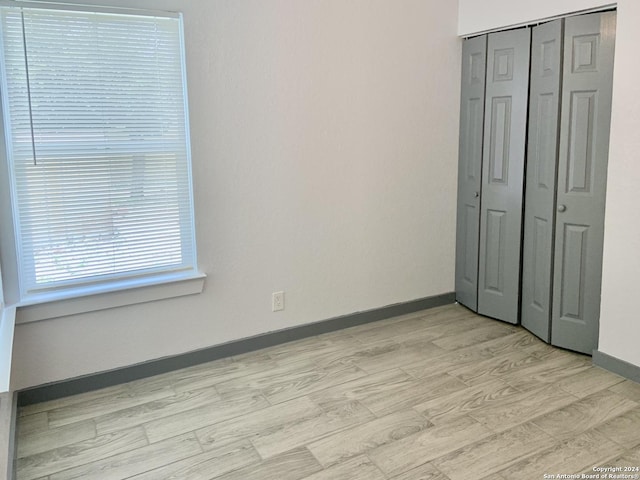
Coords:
pixel 91 296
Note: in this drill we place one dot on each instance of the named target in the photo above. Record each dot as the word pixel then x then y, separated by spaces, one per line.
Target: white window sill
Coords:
pixel 46 306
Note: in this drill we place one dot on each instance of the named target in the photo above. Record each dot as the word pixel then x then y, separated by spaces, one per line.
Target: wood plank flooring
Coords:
pixel 442 394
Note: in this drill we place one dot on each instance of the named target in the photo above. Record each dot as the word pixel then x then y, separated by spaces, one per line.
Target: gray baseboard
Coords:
pixel 13 437
pixel 99 380
pixel 617 366
pixel 8 419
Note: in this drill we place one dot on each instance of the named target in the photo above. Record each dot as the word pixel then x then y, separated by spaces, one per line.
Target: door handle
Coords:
pixel 476 194
pixel 562 208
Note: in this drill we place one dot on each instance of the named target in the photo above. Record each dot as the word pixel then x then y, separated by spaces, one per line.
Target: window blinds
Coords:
pixel 98 148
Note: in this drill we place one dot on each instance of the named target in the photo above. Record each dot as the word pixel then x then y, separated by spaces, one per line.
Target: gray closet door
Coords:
pixel 582 171
pixel 469 170
pixel 503 172
pixel 540 192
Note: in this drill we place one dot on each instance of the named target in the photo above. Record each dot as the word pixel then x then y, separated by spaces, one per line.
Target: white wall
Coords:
pixel 478 16
pixel 7 327
pixel 324 139
pixel 619 324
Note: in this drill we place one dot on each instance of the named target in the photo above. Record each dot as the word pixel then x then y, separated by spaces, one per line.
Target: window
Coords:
pixel 97 144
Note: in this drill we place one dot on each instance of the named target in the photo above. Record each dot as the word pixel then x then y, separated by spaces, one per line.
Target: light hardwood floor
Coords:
pixel 440 394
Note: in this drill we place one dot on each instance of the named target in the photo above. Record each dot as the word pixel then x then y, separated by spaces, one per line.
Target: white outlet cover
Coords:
pixel 277 301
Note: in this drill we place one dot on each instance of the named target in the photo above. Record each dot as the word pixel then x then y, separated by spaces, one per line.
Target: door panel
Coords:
pixel 581 138
pixel 494 253
pixel 470 265
pixel 582 171
pixel 574 239
pixel 539 267
pixel 499 140
pixel 470 170
pixel 503 173
pixel 542 160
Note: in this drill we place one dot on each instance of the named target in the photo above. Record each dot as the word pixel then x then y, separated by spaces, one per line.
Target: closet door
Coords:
pixel 469 170
pixel 540 192
pixel 503 172
pixel 582 171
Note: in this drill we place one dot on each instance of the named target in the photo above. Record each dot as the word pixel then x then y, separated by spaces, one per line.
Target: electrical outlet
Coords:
pixel 277 301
